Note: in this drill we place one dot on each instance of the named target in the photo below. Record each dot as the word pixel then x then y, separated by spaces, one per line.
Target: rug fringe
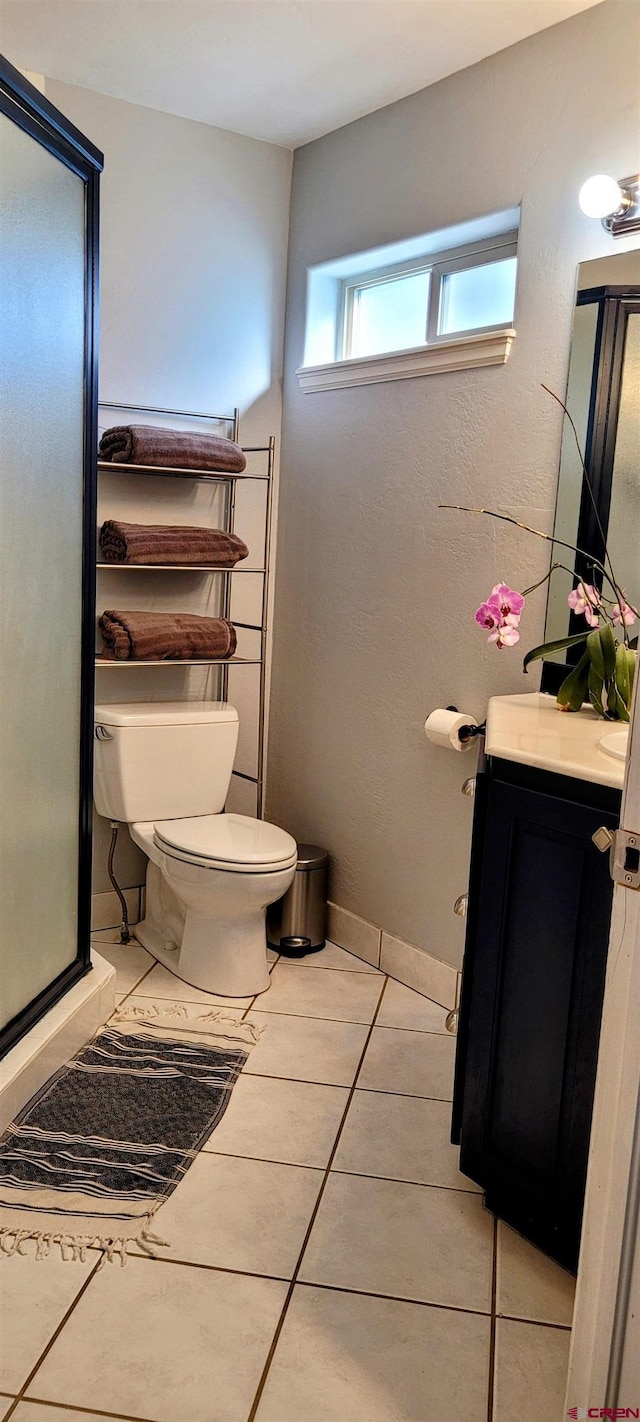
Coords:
pixel 73 1247
pixel 155 1013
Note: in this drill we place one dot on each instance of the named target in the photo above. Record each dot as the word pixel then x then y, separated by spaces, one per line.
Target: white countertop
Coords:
pixel 532 730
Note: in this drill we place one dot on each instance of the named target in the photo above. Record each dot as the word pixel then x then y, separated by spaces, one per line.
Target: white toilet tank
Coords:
pixel 163 760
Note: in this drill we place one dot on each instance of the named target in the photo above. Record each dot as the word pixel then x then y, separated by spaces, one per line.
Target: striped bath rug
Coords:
pixel 102 1145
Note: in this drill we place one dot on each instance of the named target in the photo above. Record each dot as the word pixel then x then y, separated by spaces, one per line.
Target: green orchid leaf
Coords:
pixel 596 702
pixel 594 648
pixel 622 713
pixel 574 687
pixel 622 674
pixel 548 647
pixel 594 683
pixel 608 646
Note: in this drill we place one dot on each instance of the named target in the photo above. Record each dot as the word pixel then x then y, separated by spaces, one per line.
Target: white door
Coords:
pixel 604 1362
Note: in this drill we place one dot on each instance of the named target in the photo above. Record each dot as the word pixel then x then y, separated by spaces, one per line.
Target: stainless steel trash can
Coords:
pixel 297 923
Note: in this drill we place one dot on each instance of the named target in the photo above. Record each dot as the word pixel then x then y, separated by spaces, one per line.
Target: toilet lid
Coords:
pixel 228 842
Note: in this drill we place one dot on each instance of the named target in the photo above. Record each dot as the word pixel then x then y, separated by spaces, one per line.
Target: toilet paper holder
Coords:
pixel 468 733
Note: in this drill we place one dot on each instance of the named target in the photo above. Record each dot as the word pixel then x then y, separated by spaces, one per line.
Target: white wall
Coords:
pixel 376 589
pixel 193 257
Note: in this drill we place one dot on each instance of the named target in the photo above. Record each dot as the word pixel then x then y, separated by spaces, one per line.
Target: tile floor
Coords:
pixel 327 1260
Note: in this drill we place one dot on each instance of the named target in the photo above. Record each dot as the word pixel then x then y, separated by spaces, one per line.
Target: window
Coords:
pixel 421 302
pixel 423 305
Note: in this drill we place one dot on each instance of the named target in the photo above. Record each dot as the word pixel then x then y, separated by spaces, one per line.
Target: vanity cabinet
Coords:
pixel 533 983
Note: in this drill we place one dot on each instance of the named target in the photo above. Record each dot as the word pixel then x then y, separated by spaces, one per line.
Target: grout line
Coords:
pixel 373 973
pixel 384 1027
pixel 54 1336
pixel 285 1307
pixel 392 1298
pixel 400 1180
pixel 353 1174
pixel 210 1268
pixel 536 1322
pixel 369 1090
pixel 492 1334
pixel 85 1411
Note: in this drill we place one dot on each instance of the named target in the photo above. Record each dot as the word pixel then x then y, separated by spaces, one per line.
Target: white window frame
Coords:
pixel 439 265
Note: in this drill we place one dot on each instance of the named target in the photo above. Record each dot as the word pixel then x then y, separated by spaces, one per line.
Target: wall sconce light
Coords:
pixel 617 204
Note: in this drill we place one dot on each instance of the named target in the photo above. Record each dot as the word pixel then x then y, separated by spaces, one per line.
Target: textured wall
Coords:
pixel 376 589
pixel 193 260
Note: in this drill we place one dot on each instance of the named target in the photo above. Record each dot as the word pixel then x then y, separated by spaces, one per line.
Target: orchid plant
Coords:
pixel 605 672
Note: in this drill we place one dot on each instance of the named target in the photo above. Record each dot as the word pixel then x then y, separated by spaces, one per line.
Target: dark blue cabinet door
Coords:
pixel 532 999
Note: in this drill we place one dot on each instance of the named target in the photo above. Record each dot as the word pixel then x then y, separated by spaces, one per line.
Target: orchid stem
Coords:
pixel 508 518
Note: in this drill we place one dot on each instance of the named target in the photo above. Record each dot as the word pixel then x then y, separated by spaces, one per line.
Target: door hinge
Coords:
pixel 624 854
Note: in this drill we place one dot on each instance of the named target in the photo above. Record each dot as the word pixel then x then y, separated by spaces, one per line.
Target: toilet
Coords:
pixel 163 768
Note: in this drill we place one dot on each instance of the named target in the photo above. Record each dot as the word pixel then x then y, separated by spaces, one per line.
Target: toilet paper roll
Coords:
pixel 442 728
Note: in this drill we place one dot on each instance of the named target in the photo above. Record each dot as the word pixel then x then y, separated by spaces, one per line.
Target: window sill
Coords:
pixel 461 353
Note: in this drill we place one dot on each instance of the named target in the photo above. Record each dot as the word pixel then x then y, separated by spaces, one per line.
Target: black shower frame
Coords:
pixel 615 305
pixel 27 107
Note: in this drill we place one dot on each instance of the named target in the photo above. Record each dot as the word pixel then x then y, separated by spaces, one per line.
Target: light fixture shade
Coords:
pixel 600 196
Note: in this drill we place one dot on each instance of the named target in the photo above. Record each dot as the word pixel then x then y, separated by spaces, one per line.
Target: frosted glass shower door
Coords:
pixel 45 496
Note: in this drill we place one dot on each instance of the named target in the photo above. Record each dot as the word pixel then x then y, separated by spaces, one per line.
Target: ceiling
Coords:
pixel 285 71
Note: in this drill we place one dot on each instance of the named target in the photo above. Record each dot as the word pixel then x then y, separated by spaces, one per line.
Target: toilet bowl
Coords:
pixel 205 913
pixel 164 769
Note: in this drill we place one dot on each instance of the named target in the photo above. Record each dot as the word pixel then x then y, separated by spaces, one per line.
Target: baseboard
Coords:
pixel 403 961
pixel 106 911
pixel 55 1038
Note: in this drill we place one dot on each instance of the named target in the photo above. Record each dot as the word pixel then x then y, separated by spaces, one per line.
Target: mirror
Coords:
pixel 603 399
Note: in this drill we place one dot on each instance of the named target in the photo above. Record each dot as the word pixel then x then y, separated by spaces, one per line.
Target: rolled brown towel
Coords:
pixel 152 543
pixel 165 636
pixel 174 449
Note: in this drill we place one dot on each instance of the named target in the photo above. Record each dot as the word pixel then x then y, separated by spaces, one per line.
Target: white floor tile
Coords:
pixel 166 1342
pixel 529 1284
pixel 530 1371
pixel 348 1358
pixel 306 992
pixel 34 1297
pixel 402 1007
pixel 407 1241
pixel 161 983
pixel 410 1063
pixel 290 1121
pixel 331 956
pixel 402 1138
pixel 240 1214
pixel 307 1049
pixel 130 960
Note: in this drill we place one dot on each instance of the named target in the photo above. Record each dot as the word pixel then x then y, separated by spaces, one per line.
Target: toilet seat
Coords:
pixel 235 843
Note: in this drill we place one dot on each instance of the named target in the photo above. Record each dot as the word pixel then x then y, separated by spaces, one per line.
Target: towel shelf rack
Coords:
pixel 229 481
pixel 211 476
pixel 102 661
pixel 173 568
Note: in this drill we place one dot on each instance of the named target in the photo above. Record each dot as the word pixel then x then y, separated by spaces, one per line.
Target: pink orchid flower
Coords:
pixel 509 602
pixel 624 612
pixel 488 614
pixel 501 614
pixel 585 599
pixel 505 635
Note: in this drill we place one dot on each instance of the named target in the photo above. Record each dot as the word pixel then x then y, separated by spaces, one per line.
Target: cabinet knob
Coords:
pixel 468 787
pixel 460 905
pixel 603 839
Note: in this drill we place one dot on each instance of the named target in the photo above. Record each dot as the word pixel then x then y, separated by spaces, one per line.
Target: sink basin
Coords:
pixel 615 743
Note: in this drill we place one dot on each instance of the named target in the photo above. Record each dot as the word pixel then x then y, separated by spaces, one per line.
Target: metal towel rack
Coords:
pixel 229 481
